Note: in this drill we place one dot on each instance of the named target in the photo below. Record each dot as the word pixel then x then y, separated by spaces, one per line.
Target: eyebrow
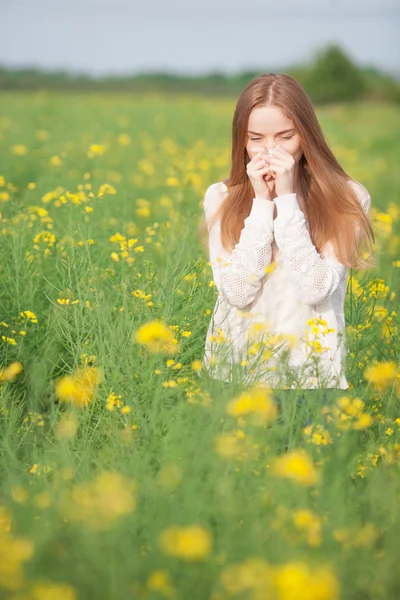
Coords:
pixel 279 132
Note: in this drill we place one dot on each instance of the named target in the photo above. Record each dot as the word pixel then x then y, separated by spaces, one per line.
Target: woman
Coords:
pixel 283 229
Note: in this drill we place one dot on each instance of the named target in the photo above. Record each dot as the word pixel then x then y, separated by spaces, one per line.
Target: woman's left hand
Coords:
pixel 282 166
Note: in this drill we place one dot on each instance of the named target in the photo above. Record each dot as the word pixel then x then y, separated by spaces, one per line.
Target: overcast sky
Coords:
pixel 194 36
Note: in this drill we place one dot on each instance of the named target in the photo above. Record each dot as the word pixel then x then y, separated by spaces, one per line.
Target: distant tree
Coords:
pixel 333 77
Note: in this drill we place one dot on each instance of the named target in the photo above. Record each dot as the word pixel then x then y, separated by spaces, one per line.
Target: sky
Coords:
pixel 194 37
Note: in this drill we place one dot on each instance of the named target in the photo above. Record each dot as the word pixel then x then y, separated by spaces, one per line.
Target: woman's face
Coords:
pixel 267 128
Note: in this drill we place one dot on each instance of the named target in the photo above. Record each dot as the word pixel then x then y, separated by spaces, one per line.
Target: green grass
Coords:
pixel 105 541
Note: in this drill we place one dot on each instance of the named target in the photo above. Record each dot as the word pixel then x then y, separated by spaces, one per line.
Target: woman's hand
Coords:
pixel 282 166
pixel 262 181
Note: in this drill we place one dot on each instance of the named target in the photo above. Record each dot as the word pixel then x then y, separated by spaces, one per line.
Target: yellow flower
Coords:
pixel 364 420
pixel 254 577
pixel 124 139
pixel 99 503
pixel 5 519
pixel 172 181
pixel 10 373
pixel 296 465
pixel 381 375
pixel 227 445
pixel 197 365
pixel 295 580
pixel 55 161
pixel 106 188
pixel 160 581
pixel 383 222
pixel 79 387
pixel 13 552
pixel 47 590
pixel 9 340
pixel 156 337
pixel 19 149
pixel 257 400
pixel 305 519
pixel 113 401
pixel 42 135
pixel 96 150
pixel 190 543
pixel 19 494
pixel 271 267
pixel 146 166
pixel 29 315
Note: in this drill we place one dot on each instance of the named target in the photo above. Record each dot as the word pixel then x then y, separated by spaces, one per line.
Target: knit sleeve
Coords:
pixel 237 275
pixel 315 277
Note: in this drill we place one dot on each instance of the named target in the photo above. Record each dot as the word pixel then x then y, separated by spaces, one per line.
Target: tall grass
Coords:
pixel 132 477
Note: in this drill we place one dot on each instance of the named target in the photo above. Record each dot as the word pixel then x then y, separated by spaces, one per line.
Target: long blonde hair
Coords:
pixel 332 205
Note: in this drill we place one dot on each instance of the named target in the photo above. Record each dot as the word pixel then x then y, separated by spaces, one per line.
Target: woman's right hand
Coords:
pixel 258 173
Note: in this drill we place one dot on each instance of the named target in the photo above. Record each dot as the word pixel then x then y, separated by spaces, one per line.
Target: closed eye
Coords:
pixel 284 138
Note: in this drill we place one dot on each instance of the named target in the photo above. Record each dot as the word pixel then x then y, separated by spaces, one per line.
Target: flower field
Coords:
pixel 125 472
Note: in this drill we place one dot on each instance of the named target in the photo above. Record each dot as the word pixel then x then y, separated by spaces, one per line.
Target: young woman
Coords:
pixel 283 230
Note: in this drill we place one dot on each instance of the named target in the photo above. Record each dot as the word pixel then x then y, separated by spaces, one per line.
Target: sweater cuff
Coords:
pixel 286 205
pixel 262 209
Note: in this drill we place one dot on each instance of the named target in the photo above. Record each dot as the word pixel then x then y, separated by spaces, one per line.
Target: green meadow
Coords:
pixel 123 474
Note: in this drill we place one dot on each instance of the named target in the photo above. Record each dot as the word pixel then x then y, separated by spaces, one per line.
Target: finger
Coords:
pixel 262 172
pixel 259 173
pixel 278 163
pixel 261 162
pixel 258 165
pixel 260 156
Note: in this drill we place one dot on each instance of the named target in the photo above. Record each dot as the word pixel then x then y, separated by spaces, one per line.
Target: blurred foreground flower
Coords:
pixel 381 375
pixel 256 578
pixel 14 551
pixel 99 503
pixel 257 401
pixel 79 387
pixel 96 150
pixel 157 337
pixel 189 543
pixel 296 465
pixel 47 590
pixel 237 445
pixel 67 426
pixel 10 372
pixel 160 581
pixel 297 580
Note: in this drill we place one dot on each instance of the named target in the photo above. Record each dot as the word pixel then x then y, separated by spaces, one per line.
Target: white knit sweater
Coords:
pixel 260 329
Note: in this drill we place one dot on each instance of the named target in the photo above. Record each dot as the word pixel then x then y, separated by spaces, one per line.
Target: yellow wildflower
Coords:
pixel 79 387
pixel 381 375
pixel 10 373
pixel 190 543
pixel 257 400
pixel 156 337
pixel 296 465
